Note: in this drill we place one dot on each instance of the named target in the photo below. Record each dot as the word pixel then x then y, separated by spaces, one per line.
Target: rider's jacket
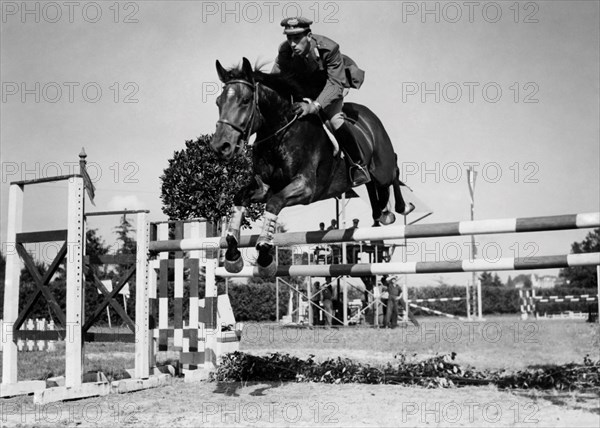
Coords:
pixel 324 72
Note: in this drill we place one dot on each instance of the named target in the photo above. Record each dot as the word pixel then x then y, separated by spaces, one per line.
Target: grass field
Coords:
pixel 497 343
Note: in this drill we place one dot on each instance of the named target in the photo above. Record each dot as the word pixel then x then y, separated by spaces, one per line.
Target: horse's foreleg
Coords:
pixel 298 191
pixel 233 258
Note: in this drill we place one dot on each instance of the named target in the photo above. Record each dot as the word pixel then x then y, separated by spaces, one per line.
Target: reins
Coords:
pixel 248 128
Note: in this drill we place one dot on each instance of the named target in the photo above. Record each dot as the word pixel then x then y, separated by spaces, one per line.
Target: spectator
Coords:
pixel 333 225
pixel 315 299
pixel 394 292
pixel 327 295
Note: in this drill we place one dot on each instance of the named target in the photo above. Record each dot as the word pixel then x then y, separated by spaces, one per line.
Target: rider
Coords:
pixel 317 65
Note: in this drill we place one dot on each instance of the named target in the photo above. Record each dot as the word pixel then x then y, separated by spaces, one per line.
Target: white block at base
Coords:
pixel 61 393
pixel 196 375
pixel 129 385
pixel 21 388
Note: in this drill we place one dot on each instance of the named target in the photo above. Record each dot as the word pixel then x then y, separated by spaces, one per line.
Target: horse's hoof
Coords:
pixel 269 271
pixel 408 209
pixel 234 266
pixel 387 217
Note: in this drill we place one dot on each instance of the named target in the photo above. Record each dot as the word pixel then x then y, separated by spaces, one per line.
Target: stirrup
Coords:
pixel 359 175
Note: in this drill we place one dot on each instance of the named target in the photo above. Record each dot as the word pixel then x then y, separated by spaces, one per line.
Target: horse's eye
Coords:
pixel 246 101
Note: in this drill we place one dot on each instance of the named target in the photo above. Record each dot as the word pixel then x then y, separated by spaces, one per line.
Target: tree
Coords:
pixel 489 280
pixel 126 244
pixel 582 276
pixel 95 246
pixel 199 184
pixel 523 279
pixel 510 283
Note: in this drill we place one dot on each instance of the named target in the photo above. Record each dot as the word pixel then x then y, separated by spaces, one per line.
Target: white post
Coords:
pixel 467 298
pixel 377 298
pixel 178 294
pixel 598 295
pixel 277 287
pixel 142 299
pixel 405 296
pixel 194 319
pixel 75 290
pixel 210 362
pixel 11 285
pixel 343 261
pixel 162 323
pixel 309 296
pixel 479 299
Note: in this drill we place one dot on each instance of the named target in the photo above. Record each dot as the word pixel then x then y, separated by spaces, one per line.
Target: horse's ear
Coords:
pixel 247 69
pixel 223 75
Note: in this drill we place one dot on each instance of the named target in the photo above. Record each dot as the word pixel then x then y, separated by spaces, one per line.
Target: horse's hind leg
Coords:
pixel 386 217
pixel 375 208
pixel 401 206
pixel 379 197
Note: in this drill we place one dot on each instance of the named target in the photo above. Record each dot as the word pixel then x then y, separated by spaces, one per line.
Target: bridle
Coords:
pixel 245 131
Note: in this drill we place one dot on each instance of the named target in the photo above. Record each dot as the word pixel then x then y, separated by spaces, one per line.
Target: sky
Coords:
pixel 510 87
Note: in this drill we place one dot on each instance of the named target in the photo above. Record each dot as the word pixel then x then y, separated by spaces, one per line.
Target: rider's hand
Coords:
pixel 304 108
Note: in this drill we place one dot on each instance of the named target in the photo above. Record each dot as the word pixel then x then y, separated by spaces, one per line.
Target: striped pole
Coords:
pixel 439 299
pixel 461 228
pixel 366 269
pixel 571 298
pixel 433 311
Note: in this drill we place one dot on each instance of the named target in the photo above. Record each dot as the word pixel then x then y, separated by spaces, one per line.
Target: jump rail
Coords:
pixel 466 228
pixel 366 269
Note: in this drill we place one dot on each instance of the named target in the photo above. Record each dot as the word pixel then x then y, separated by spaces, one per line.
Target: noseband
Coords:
pixel 244 131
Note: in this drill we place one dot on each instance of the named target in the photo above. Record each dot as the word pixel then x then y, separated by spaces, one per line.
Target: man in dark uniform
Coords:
pixel 394 293
pixel 317 64
pixel 327 296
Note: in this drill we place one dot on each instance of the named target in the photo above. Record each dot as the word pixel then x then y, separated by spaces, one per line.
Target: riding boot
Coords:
pixel 358 171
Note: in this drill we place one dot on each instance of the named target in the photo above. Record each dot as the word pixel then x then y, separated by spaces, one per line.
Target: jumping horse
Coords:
pixel 293 159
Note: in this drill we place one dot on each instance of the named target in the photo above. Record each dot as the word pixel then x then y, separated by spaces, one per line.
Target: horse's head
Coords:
pixel 238 110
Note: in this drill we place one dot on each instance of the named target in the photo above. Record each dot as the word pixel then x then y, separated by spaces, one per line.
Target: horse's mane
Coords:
pixel 282 83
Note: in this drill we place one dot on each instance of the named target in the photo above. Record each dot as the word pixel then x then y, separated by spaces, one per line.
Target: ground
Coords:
pixel 497 343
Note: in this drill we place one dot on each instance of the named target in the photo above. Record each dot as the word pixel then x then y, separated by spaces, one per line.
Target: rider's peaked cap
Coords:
pixel 295 25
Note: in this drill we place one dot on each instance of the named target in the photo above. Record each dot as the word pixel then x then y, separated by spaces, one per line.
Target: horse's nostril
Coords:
pixel 226 147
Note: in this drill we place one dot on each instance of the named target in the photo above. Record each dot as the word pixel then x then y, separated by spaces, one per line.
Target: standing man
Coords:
pixel 394 292
pixel 315 299
pixel 327 296
pixel 319 67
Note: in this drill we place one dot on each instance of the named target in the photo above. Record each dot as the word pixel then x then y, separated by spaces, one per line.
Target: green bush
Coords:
pixel 256 302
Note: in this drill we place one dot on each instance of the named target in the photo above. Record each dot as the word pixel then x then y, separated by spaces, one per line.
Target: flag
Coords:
pixel 88 185
pixel 471 178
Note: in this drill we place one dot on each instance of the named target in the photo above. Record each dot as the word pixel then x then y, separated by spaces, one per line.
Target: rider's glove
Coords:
pixel 304 108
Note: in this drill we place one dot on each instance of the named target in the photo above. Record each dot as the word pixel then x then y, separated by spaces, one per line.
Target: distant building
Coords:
pixel 519 284
pixel 543 281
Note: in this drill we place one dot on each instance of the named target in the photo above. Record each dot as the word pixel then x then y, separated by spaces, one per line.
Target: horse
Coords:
pixel 293 159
